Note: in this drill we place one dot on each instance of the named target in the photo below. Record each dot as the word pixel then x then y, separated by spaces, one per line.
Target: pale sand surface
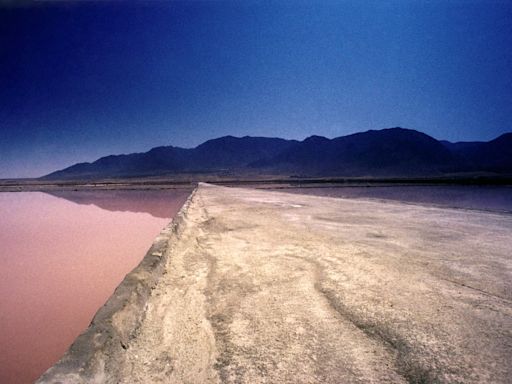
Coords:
pixel 270 287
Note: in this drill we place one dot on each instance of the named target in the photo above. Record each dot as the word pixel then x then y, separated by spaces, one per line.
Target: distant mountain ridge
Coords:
pixel 387 152
pixel 394 151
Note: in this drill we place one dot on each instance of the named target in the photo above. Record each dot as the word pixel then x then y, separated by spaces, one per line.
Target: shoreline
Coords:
pixel 253 286
pixel 116 322
pixel 41 185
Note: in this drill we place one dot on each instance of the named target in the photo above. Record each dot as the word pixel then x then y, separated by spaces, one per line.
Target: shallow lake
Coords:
pixel 61 257
pixel 489 198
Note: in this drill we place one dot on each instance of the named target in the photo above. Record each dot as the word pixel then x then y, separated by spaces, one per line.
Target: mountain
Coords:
pixel 155 161
pixel 493 156
pixel 230 152
pixel 387 152
pixel 220 154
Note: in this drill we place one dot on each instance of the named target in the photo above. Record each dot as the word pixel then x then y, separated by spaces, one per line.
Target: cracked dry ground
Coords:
pixel 269 287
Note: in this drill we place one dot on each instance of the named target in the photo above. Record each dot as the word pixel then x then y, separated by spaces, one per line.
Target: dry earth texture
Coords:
pixel 268 287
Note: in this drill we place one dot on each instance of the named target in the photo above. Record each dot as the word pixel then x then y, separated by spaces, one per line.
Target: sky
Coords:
pixel 80 80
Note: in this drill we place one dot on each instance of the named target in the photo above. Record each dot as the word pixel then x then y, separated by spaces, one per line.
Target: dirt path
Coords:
pixel 268 287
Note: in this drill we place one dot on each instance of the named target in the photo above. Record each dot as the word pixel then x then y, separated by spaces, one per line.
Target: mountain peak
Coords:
pixel 315 139
pixel 505 137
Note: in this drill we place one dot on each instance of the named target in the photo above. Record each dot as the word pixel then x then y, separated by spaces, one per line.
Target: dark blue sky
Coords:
pixel 83 80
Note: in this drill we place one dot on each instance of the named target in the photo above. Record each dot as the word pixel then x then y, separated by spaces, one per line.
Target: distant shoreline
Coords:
pixel 34 185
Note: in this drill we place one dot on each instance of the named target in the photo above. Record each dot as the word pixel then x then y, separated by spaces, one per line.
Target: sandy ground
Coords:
pixel 269 287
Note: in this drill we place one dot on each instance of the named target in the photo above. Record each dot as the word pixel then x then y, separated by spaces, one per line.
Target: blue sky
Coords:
pixel 83 80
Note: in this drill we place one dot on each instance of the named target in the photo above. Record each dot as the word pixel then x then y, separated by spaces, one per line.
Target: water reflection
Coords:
pixel 60 261
pixel 488 198
pixel 158 203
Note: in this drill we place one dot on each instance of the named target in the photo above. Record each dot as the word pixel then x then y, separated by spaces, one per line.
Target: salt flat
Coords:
pixel 269 287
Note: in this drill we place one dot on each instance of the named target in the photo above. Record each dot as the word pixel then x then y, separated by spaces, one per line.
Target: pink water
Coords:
pixel 60 261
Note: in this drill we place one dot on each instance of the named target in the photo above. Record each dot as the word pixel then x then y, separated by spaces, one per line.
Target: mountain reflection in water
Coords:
pixel 61 257
pixel 163 203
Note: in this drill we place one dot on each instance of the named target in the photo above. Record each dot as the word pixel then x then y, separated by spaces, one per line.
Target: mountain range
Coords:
pixel 392 152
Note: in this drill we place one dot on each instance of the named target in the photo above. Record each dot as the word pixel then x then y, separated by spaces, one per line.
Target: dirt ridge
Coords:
pixel 94 355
